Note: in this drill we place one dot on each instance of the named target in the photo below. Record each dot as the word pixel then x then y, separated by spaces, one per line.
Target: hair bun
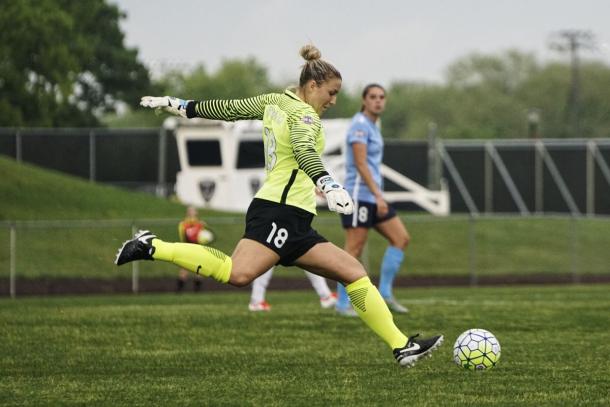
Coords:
pixel 310 52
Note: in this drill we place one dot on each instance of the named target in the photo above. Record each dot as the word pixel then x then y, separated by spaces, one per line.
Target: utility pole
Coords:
pixel 572 41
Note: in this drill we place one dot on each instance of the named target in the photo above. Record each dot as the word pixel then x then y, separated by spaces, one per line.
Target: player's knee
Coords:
pixel 356 248
pixel 401 241
pixel 240 279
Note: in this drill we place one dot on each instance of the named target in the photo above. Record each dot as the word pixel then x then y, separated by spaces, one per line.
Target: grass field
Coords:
pixel 209 350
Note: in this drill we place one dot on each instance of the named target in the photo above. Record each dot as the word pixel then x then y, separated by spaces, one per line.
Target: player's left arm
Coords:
pixel 303 133
pixel 304 130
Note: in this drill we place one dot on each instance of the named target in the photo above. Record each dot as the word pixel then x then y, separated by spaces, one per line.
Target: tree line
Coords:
pixel 56 71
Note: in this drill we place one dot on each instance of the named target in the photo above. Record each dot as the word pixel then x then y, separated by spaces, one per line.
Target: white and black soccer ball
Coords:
pixel 476 349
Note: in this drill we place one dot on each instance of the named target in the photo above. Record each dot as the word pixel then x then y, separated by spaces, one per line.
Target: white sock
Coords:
pixel 259 287
pixel 319 284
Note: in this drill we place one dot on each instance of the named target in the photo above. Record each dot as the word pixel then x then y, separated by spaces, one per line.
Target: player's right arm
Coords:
pixel 219 109
pixel 358 139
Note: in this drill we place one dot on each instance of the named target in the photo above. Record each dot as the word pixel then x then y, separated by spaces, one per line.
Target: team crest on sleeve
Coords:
pixel 359 133
pixel 307 119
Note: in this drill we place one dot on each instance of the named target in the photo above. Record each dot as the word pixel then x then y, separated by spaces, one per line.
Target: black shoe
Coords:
pixel 179 285
pixel 197 285
pixel 138 248
pixel 416 349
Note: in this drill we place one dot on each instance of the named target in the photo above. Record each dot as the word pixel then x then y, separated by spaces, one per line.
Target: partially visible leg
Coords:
pixel 181 280
pixel 355 239
pixel 398 237
pixel 328 299
pixel 329 261
pixel 259 289
pixel 319 284
pixel 197 282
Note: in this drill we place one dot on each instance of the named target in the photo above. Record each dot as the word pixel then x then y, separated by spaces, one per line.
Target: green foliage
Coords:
pixel 209 350
pixel 64 62
pixel 489 96
pixel 485 96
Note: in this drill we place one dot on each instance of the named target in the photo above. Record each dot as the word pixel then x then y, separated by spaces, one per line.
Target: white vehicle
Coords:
pixel 222 165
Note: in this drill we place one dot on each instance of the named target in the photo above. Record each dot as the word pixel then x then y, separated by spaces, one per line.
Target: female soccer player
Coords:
pixel 365 184
pixel 278 221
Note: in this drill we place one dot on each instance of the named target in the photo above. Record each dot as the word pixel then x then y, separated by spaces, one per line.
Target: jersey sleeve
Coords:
pixel 357 133
pixel 232 109
pixel 304 130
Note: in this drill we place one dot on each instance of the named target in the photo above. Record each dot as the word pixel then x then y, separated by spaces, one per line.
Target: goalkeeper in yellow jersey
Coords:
pixel 278 222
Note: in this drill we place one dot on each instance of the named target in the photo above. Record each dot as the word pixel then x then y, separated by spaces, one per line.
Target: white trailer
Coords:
pixel 222 165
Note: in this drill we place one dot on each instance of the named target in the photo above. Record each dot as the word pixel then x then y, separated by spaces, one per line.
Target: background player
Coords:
pixel 192 230
pixel 364 155
pixel 259 288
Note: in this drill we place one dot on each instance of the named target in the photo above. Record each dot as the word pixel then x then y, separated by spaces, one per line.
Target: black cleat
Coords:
pixel 415 349
pixel 138 248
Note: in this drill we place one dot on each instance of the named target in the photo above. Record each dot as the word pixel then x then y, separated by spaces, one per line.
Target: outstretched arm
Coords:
pixel 227 110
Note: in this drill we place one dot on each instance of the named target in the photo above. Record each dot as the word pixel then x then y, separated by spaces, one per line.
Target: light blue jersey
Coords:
pixel 363 130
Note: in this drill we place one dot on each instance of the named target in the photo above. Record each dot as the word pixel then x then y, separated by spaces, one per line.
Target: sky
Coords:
pixel 368 41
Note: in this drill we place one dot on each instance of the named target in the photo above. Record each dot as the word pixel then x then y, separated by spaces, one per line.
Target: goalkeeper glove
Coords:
pixel 337 197
pixel 170 104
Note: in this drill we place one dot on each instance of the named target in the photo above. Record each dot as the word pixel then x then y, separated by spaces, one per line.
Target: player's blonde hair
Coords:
pixel 315 67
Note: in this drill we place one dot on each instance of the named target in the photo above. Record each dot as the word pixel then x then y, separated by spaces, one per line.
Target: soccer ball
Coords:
pixel 476 349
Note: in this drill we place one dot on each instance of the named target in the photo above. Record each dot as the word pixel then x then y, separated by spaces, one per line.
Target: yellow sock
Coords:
pixel 196 258
pixel 373 310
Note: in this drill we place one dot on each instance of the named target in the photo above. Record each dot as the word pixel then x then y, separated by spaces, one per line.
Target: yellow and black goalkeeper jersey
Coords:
pixel 293 138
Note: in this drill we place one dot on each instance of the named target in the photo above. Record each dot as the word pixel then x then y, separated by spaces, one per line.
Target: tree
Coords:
pixel 64 63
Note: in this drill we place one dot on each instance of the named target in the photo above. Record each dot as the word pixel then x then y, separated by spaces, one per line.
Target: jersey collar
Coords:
pixel 292 95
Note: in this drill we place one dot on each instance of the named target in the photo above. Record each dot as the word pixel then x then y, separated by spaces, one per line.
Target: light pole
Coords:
pixel 571 41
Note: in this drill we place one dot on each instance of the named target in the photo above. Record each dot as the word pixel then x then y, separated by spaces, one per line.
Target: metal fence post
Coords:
pixel 13 261
pixel 488 176
pixel 538 179
pixel 434 170
pixel 161 189
pixel 472 243
pixel 574 249
pixel 92 163
pixel 18 147
pixel 135 269
pixel 590 191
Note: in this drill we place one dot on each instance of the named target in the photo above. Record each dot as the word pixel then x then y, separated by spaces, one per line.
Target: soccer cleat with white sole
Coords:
pixel 328 302
pixel 415 349
pixel 259 306
pixel 138 248
pixel 346 312
pixel 395 306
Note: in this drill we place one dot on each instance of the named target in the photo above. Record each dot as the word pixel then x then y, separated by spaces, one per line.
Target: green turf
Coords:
pixel 208 349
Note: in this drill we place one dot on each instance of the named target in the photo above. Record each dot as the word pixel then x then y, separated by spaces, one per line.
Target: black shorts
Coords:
pixel 365 216
pixel 284 229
